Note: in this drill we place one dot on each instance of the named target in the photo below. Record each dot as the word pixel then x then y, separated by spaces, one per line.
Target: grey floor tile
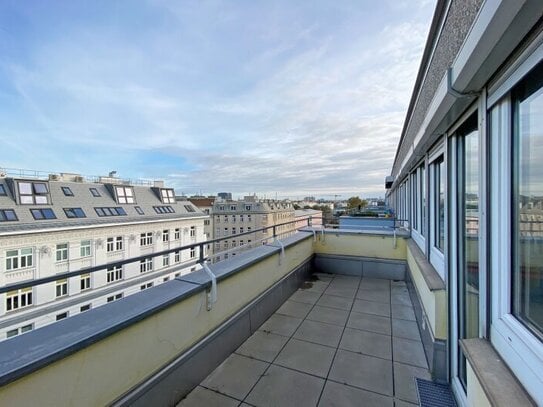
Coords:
pixel 235 376
pixel 285 387
pixel 318 332
pixel 346 292
pixel 328 315
pixel 366 372
pixel 263 345
pixel 294 309
pixel 347 278
pixel 401 299
pixel 409 352
pixel 281 325
pixel 315 286
pixel 204 397
pixel 379 295
pixel 405 329
pixel 366 342
pixel 306 297
pixel 324 276
pixel 401 403
pixel 404 381
pixel 367 322
pixel 333 301
pixel 374 283
pixel 403 312
pixel 341 395
pixel 306 357
pixel 371 307
pixel 397 283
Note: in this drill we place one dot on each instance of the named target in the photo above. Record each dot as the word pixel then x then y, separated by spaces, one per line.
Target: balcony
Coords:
pixel 319 317
pixel 338 340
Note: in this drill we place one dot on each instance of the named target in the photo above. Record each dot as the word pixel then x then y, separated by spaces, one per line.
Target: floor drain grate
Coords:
pixel 433 394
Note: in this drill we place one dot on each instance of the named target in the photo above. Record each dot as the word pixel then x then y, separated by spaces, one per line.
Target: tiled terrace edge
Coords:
pixel 93 358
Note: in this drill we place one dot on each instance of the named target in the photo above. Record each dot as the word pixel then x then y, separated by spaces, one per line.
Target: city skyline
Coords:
pixel 272 99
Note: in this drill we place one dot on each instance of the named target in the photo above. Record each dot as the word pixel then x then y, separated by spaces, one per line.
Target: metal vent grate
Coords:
pixel 433 394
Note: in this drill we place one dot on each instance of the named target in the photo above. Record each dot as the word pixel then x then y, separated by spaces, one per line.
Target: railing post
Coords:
pixel 274 233
pixel 201 256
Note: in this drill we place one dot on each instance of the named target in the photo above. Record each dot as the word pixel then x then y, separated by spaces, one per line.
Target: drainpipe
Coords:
pixel 452 91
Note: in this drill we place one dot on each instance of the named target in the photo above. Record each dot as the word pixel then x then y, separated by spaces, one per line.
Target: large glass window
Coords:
pixel 439 203
pixel 468 234
pixel 527 195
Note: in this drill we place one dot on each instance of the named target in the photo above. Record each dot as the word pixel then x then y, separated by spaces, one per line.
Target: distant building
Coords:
pixel 248 215
pixel 225 195
pixel 64 223
pixel 308 217
pixel 205 204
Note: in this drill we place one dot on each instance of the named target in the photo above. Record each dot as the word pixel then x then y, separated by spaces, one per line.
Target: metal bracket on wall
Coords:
pixel 211 293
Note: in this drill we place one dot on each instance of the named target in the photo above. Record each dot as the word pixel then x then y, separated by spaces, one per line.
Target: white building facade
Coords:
pixel 49 227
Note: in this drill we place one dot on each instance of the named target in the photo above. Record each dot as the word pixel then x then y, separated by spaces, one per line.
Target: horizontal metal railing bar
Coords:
pixel 94 269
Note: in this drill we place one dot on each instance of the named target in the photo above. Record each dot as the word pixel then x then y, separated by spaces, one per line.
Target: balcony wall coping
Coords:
pixel 24 354
pixel 369 232
pixel 429 273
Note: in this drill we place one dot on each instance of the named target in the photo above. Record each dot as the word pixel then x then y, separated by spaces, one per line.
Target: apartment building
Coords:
pixel 51 226
pixel 245 216
pixel 467 180
pixel 205 205
pixel 308 217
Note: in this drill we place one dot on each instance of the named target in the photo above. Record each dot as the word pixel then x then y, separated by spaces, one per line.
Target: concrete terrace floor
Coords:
pixel 338 341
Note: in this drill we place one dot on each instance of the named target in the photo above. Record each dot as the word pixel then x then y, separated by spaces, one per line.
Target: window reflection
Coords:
pixel 528 202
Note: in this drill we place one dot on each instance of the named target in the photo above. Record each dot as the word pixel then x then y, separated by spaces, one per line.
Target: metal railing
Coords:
pixel 201 252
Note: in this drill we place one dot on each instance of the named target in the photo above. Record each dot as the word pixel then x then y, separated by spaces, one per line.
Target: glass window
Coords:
pixel 85 282
pixel 139 210
pixel 7 215
pixel 67 191
pixel 62 252
pixel 33 193
pixel 85 249
pixel 18 299
pixel 114 274
pixel 167 195
pixel 439 203
pixel 468 227
pixel 45 213
pixel 61 288
pixel 189 208
pixel 2 190
pixel 94 192
pixel 527 195
pixel 20 258
pixel 125 195
pixel 74 213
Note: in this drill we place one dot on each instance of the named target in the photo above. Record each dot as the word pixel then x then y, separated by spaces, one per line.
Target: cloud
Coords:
pixel 269 98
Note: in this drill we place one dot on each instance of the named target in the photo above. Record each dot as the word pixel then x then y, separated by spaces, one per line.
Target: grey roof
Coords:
pixel 82 198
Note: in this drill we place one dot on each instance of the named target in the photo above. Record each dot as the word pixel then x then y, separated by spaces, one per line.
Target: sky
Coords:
pixel 278 98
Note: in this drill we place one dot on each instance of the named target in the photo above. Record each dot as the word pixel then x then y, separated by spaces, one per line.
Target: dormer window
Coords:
pixel 33 193
pixel 67 191
pixel 167 195
pixel 125 195
pixel 94 192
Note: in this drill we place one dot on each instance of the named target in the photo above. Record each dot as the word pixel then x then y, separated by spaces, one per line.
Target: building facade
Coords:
pixel 52 226
pixel 467 180
pixel 247 217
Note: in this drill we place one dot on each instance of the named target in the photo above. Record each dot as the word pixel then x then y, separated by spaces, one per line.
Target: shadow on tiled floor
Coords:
pixel 340 341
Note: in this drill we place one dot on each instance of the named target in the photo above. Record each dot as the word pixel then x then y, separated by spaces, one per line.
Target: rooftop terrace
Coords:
pixel 338 340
